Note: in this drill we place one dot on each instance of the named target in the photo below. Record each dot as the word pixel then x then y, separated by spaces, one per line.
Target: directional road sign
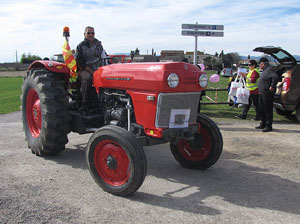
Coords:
pixel 202 27
pixel 209 31
pixel 202 33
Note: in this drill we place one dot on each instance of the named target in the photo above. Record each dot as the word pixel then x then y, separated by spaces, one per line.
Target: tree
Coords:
pixel 26 59
pixel 235 57
pixel 137 51
pixel 131 55
pixel 230 59
pixel 213 63
pixel 208 62
pixel 221 54
pixel 218 65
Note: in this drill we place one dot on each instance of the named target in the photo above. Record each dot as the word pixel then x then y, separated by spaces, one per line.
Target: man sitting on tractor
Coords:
pixel 90 55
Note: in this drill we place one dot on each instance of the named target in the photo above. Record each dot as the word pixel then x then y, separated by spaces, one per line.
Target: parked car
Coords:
pixel 227 72
pixel 287 96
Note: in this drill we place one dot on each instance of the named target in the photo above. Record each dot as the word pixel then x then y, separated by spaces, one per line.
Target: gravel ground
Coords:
pixel 256 180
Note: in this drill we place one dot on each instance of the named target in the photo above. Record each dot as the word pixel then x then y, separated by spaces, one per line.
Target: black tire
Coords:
pixel 283 112
pixel 44 112
pixel 204 151
pixel 298 112
pixel 116 161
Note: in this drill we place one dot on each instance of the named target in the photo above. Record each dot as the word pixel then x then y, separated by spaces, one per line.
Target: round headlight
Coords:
pixel 173 80
pixel 203 80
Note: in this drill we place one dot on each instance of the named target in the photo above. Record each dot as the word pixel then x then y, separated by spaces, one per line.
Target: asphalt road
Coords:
pixel 256 180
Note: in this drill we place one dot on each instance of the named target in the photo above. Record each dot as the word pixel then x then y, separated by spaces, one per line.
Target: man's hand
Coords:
pixel 243 74
pixel 271 89
pixel 89 69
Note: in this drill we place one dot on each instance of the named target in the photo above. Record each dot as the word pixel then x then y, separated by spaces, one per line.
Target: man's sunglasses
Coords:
pixel 90 33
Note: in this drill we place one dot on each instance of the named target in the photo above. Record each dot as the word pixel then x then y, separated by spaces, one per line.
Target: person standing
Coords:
pixel 89 56
pixel 266 87
pixel 231 99
pixel 252 79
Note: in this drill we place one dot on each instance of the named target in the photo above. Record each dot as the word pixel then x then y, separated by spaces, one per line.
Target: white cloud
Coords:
pixel 35 26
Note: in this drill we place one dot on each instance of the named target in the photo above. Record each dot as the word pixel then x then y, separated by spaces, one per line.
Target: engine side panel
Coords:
pixel 145 111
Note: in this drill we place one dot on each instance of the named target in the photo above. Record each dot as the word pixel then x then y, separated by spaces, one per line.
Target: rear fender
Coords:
pixel 52 66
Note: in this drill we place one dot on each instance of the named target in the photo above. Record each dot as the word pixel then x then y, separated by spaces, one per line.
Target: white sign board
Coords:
pixel 202 27
pixel 179 118
pixel 209 31
pixel 202 33
pixel 242 70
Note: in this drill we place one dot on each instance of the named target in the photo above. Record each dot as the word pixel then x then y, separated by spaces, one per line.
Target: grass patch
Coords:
pixel 10 91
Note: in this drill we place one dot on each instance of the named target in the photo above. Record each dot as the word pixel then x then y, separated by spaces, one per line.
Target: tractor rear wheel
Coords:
pixel 44 112
pixel 204 150
pixel 116 161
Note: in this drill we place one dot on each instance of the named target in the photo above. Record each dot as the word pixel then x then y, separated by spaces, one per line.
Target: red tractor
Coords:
pixel 135 104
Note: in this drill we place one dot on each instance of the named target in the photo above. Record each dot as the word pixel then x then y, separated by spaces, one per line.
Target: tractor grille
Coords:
pixel 167 103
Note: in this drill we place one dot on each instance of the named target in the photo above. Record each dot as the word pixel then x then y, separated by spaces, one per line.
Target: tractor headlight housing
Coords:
pixel 203 80
pixel 173 80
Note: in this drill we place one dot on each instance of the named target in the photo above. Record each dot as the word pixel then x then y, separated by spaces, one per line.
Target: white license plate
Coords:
pixel 179 118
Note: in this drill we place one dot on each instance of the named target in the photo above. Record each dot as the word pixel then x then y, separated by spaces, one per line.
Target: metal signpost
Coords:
pixel 192 30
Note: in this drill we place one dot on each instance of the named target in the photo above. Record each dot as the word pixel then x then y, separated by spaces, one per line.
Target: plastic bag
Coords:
pixel 242 94
pixel 234 86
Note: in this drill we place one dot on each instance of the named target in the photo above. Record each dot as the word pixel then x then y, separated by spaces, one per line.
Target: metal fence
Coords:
pixel 214 101
pixel 13 66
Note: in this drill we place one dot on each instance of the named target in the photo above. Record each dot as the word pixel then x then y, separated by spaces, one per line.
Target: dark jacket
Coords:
pixel 267 78
pixel 87 54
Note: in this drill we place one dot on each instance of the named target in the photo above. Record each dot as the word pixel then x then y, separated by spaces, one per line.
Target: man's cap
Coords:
pixel 264 60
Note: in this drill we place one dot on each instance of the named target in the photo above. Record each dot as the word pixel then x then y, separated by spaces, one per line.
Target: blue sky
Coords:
pixel 35 26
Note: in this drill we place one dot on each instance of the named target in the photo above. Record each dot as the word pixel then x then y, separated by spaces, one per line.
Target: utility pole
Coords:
pixel 16 56
pixel 196 45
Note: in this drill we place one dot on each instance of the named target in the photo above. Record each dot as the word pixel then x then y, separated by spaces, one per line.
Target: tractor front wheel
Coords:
pixel 204 150
pixel 116 161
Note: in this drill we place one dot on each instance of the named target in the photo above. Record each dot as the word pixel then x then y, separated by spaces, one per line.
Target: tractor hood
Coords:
pixel 147 77
pixel 282 56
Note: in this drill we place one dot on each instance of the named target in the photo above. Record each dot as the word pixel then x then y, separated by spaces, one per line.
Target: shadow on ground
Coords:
pixel 233 181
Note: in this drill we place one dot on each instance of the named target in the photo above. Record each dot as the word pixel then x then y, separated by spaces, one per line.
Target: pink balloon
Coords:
pixel 214 78
pixel 202 67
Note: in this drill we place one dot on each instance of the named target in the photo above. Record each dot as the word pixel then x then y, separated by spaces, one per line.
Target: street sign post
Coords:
pixel 202 33
pixel 202 27
pixel 192 30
